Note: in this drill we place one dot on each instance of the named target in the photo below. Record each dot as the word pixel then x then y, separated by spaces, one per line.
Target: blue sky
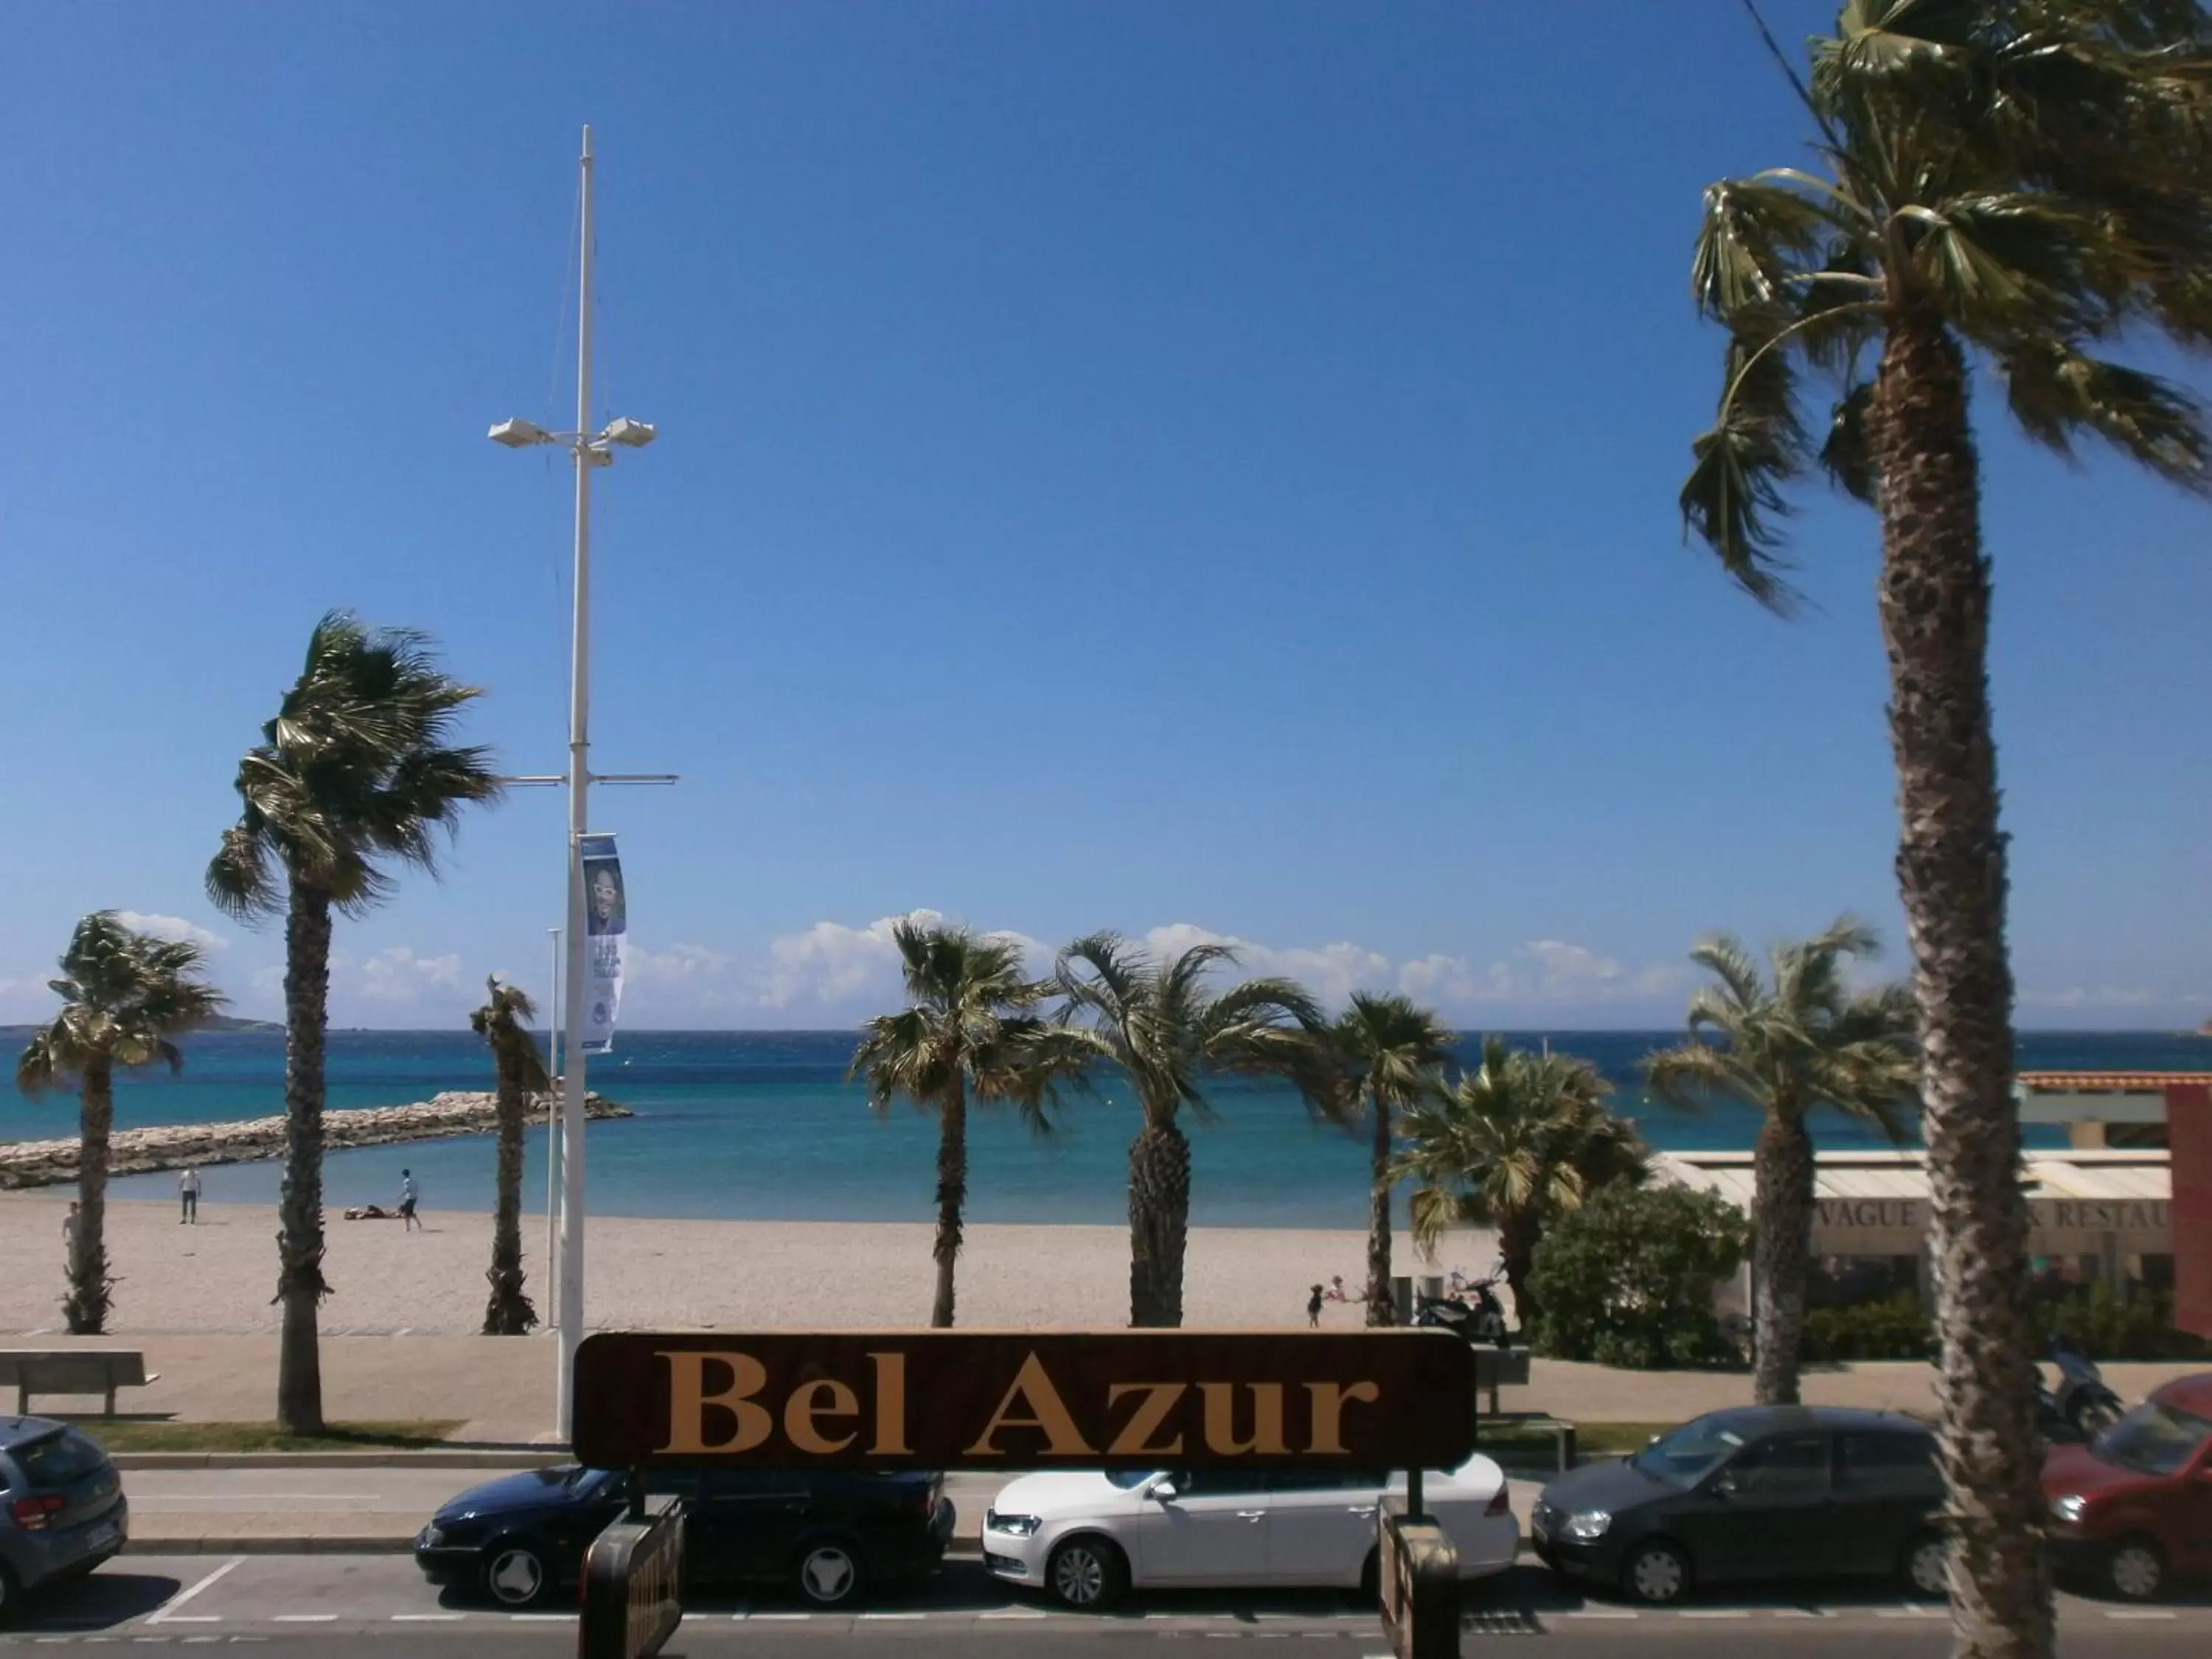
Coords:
pixel 1202 470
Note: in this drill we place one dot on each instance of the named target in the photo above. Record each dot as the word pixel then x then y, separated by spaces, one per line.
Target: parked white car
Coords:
pixel 1087 1537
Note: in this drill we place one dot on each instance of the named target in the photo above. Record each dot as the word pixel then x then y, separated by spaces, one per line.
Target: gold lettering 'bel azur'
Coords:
pixel 704 1422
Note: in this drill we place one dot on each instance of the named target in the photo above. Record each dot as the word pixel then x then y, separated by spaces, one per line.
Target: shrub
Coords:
pixel 1628 1278
pixel 2137 1326
pixel 1893 1328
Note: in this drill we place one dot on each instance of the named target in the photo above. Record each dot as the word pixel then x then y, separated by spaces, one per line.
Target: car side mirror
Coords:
pixel 1161 1492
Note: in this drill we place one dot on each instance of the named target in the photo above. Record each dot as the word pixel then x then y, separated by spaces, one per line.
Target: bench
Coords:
pixel 1522 1428
pixel 72 1371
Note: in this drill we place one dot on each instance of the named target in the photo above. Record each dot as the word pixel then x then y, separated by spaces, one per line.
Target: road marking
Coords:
pixel 1715 1612
pixel 1912 1613
pixel 1804 1612
pixel 776 1615
pixel 542 1618
pixel 305 1618
pixel 1601 1612
pixel 889 1615
pixel 166 1614
pixel 428 1617
pixel 2139 1613
pixel 1013 1612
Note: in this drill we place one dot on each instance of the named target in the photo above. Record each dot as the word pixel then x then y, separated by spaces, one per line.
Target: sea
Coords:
pixel 763 1126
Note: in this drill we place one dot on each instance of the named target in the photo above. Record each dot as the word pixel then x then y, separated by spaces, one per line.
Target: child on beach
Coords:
pixel 1313 1308
pixel 407 1196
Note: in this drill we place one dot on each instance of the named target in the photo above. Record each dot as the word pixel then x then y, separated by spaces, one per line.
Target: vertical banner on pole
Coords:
pixel 606 933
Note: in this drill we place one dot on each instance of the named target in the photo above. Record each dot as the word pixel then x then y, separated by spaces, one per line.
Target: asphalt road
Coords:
pixel 371 1605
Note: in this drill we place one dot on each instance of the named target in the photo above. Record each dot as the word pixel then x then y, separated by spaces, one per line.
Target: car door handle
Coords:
pixel 1251 1514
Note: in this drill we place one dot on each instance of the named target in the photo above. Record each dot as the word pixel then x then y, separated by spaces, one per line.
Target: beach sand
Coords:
pixel 641 1273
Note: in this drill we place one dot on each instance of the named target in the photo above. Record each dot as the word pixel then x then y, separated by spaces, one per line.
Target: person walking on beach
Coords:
pixel 69 1232
pixel 1313 1310
pixel 188 1195
pixel 407 1196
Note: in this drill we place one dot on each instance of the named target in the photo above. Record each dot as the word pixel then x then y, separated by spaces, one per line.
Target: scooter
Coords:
pixel 1484 1322
pixel 2082 1406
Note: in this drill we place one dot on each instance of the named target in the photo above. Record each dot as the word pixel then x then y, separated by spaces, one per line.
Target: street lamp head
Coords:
pixel 633 435
pixel 519 434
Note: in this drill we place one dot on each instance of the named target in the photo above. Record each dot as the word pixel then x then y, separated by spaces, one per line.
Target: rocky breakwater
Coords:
pixel 143 1151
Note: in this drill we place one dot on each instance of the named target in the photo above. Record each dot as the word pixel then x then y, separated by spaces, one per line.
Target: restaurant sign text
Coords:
pixel 1002 1399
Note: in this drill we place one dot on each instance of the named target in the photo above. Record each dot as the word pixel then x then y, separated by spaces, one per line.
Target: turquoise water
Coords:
pixel 761 1125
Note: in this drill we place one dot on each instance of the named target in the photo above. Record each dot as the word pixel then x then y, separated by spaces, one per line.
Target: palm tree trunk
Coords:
pixel 1782 1243
pixel 509 1312
pixel 1381 1309
pixel 951 1196
pixel 300 1284
pixel 1934 591
pixel 86 1310
pixel 1516 1250
pixel 1160 1222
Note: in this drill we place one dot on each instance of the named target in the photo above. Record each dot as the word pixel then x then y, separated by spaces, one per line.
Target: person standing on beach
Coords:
pixel 407 1196
pixel 69 1232
pixel 1313 1310
pixel 188 1195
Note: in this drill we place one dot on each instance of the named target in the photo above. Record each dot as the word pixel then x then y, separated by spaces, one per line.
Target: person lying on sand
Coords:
pixel 372 1212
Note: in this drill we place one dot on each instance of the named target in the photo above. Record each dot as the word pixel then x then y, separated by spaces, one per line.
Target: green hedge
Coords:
pixel 2139 1326
pixel 1628 1278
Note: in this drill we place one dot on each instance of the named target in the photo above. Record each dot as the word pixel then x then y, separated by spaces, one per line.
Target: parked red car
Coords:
pixel 2132 1509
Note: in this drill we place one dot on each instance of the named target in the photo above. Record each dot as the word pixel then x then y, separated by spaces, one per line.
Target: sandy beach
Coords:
pixel 217 1277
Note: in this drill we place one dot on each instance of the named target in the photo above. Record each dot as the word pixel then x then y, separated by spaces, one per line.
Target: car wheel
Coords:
pixel 1087 1574
pixel 1657 1574
pixel 1926 1569
pixel 2134 1569
pixel 829 1572
pixel 11 1596
pixel 516 1574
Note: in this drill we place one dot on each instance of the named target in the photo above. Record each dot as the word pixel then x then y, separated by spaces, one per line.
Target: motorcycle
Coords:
pixel 2082 1406
pixel 1484 1321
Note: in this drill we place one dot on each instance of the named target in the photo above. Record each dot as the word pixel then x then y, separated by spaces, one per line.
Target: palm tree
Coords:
pixel 1785 1048
pixel 1388 1052
pixel 1519 1139
pixel 1160 1023
pixel 124 995
pixel 2029 180
pixel 968 1034
pixel 356 770
pixel 501 1023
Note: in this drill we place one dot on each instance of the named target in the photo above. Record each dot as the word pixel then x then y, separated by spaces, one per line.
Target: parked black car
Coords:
pixel 521 1541
pixel 1773 1492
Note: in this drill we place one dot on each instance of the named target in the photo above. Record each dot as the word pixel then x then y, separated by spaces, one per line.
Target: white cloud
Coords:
pixel 2101 996
pixel 173 927
pixel 830 964
pixel 396 974
pixel 1331 972
pixel 1544 972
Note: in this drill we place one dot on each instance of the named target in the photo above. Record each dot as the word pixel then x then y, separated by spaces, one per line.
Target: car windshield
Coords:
pixel 2153 1440
pixel 1684 1456
pixel 1130 1479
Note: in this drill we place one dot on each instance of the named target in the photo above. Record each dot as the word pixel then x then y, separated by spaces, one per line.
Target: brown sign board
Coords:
pixel 1024 1399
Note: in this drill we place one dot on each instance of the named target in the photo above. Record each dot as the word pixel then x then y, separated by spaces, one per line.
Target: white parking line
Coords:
pixel 2139 1613
pixel 774 1615
pixel 428 1617
pixel 1715 1612
pixel 1912 1613
pixel 1601 1612
pixel 305 1618
pixel 1014 1612
pixel 890 1615
pixel 166 1613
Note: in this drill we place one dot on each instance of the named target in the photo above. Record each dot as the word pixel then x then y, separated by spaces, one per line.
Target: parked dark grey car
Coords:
pixel 62 1509
pixel 1772 1492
